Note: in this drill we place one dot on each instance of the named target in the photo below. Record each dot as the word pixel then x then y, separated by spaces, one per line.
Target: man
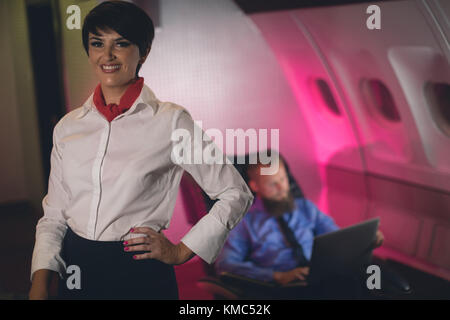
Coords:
pixel 259 248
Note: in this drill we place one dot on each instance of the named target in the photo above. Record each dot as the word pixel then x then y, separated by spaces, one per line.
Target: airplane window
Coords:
pixel 437 95
pixel 379 97
pixel 327 96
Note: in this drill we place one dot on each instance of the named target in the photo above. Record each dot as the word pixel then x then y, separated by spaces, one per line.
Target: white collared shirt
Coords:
pixel 108 177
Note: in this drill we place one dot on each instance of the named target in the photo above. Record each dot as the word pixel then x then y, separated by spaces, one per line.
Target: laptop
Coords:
pixel 344 252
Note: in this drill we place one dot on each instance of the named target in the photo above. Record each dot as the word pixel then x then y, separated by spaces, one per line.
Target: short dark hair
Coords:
pixel 125 18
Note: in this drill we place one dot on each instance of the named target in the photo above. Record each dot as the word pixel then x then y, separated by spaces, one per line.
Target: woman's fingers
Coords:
pixel 156 243
pixel 148 255
pixel 137 241
pixel 144 230
pixel 142 243
pixel 141 247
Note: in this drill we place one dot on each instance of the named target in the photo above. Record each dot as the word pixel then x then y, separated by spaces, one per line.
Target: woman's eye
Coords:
pixel 123 44
pixel 96 44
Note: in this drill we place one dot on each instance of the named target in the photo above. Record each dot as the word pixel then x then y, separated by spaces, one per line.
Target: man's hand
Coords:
pixel 158 247
pixel 291 275
pixel 379 240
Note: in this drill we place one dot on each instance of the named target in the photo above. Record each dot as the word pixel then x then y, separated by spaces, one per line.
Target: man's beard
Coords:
pixel 278 207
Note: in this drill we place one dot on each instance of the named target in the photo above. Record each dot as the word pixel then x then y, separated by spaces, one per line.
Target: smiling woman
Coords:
pixel 117 45
pixel 112 185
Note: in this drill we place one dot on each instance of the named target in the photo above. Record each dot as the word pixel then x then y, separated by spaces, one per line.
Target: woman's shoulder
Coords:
pixel 176 115
pixel 67 118
pixel 172 108
pixel 161 107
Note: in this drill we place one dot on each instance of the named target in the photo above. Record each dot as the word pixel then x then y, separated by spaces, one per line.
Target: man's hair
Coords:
pixel 125 18
pixel 252 168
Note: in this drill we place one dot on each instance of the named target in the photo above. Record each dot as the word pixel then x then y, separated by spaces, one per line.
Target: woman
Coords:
pixel 113 183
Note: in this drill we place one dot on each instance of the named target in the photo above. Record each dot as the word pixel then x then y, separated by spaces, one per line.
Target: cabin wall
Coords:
pixel 373 166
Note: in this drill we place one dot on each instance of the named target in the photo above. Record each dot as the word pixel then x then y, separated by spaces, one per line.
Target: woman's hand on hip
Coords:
pixel 157 246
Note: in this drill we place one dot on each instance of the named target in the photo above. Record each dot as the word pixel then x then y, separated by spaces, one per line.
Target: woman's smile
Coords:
pixel 110 68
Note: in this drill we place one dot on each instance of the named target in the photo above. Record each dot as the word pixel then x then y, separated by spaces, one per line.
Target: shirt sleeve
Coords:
pixel 233 258
pixel 323 222
pixel 51 228
pixel 219 179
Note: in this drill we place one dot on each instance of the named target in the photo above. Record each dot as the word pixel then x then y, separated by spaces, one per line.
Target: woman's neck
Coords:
pixel 113 94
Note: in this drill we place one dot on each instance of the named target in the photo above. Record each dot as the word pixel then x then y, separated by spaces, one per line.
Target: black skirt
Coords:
pixel 103 270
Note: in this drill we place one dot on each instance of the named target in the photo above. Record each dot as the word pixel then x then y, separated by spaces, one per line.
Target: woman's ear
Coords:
pixel 142 59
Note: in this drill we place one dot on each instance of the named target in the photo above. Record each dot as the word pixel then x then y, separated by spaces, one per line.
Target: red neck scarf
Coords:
pixel 112 110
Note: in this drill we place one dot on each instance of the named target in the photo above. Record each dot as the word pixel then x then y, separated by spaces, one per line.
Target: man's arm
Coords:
pixel 233 257
pixel 323 222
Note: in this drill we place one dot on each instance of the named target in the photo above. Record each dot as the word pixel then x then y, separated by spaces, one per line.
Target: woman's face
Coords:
pixel 113 58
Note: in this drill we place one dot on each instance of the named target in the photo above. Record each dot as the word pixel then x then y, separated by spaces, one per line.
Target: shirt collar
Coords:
pixel 145 99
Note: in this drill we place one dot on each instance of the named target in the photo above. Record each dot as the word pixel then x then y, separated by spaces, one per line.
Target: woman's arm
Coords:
pixel 217 176
pixel 40 284
pixel 158 247
pixel 184 253
pixel 51 228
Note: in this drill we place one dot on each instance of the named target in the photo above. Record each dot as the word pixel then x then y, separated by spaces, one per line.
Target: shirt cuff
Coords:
pixel 49 266
pixel 206 238
pixel 47 259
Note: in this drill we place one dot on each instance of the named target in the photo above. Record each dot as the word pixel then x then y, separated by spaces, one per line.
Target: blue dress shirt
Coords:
pixel 256 247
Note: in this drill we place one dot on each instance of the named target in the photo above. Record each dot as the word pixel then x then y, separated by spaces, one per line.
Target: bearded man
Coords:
pixel 273 242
